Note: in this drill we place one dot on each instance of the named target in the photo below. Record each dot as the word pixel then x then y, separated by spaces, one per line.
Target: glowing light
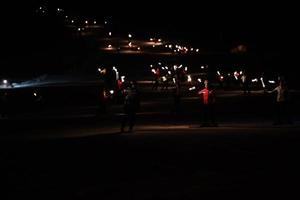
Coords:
pixel 95 22
pixel 170 46
pixel 109 33
pixel 151 66
pixel 129 35
pixel 159 40
pixel 153 46
pixel 79 29
pixel 254 80
pixel 241 72
pixel 199 80
pixel 218 72
pixel 109 46
pixel 162 68
pixel 166 46
pixel 66 17
pixel 151 39
pixel 34 94
pixel 202 67
pixel 123 79
pixel 192 49
pixel 180 66
pixel 189 78
pixel 130 44
pixel 192 88
pixel 262 82
pixel 159 63
pixel 166 67
pixel 105 22
pixel 164 78
pixel 86 22
pixel 271 81
pixel 169 72
pixel 5 81
pixel 153 70
pixel 197 50
pixel 175 67
pixel 174 80
pixel 185 69
pixel 221 78
pixel 72 21
pixel 111 92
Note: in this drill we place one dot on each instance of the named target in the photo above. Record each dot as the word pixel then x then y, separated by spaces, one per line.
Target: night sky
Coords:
pixel 263 28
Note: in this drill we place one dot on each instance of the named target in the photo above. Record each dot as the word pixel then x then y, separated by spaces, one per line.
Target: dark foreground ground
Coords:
pixel 167 157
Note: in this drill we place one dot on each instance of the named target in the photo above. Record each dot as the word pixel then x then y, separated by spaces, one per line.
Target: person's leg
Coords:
pixel 132 120
pixel 124 121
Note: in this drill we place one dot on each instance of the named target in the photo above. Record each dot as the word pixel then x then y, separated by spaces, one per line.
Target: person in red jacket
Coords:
pixel 208 105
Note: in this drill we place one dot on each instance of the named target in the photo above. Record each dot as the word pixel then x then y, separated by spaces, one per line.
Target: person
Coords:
pixel 245 84
pixel 208 105
pixel 176 96
pixel 282 115
pixel 131 105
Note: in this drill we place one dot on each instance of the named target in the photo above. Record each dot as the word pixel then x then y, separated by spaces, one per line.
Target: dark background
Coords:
pixel 269 30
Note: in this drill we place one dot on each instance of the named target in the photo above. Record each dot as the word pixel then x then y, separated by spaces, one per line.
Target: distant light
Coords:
pixel 72 21
pixel 199 80
pixel 175 67
pixel 166 46
pixel 59 10
pixel 41 8
pixel 86 22
pixel 170 46
pixel 241 72
pixel 151 66
pixel 218 72
pixel 99 69
pixel 159 40
pixel 192 49
pixel 115 69
pixel 123 79
pixel 66 16
pixel 153 46
pixel 153 70
pixel 34 94
pixel 272 82
pixel 111 92
pixel 159 63
pixel 129 35
pixel 163 68
pixel 109 33
pixel 95 22
pixel 109 46
pixel 202 67
pixel 254 80
pixel 79 29
pixel 139 48
pixel 164 78
pixel 130 44
pixel 180 66
pixel 175 51
pixel 166 67
pixel 189 78
pixel 105 22
pixel 5 81
pixel 151 39
pixel 169 72
pixel 174 80
pixel 185 69
pixel 221 77
pixel 197 50
pixel 192 88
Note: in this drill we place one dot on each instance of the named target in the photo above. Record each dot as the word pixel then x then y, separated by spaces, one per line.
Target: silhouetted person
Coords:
pixel 208 105
pixel 245 84
pixel 177 100
pixel 131 105
pixel 282 114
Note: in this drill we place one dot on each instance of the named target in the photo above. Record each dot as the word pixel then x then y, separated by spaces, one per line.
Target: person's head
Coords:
pixel 206 83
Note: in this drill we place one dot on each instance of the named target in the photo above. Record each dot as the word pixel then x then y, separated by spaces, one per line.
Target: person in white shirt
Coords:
pixel 281 103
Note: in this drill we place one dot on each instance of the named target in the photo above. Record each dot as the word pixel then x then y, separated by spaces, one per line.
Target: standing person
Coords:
pixel 245 84
pixel 177 99
pixel 208 105
pixel 282 115
pixel 131 105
